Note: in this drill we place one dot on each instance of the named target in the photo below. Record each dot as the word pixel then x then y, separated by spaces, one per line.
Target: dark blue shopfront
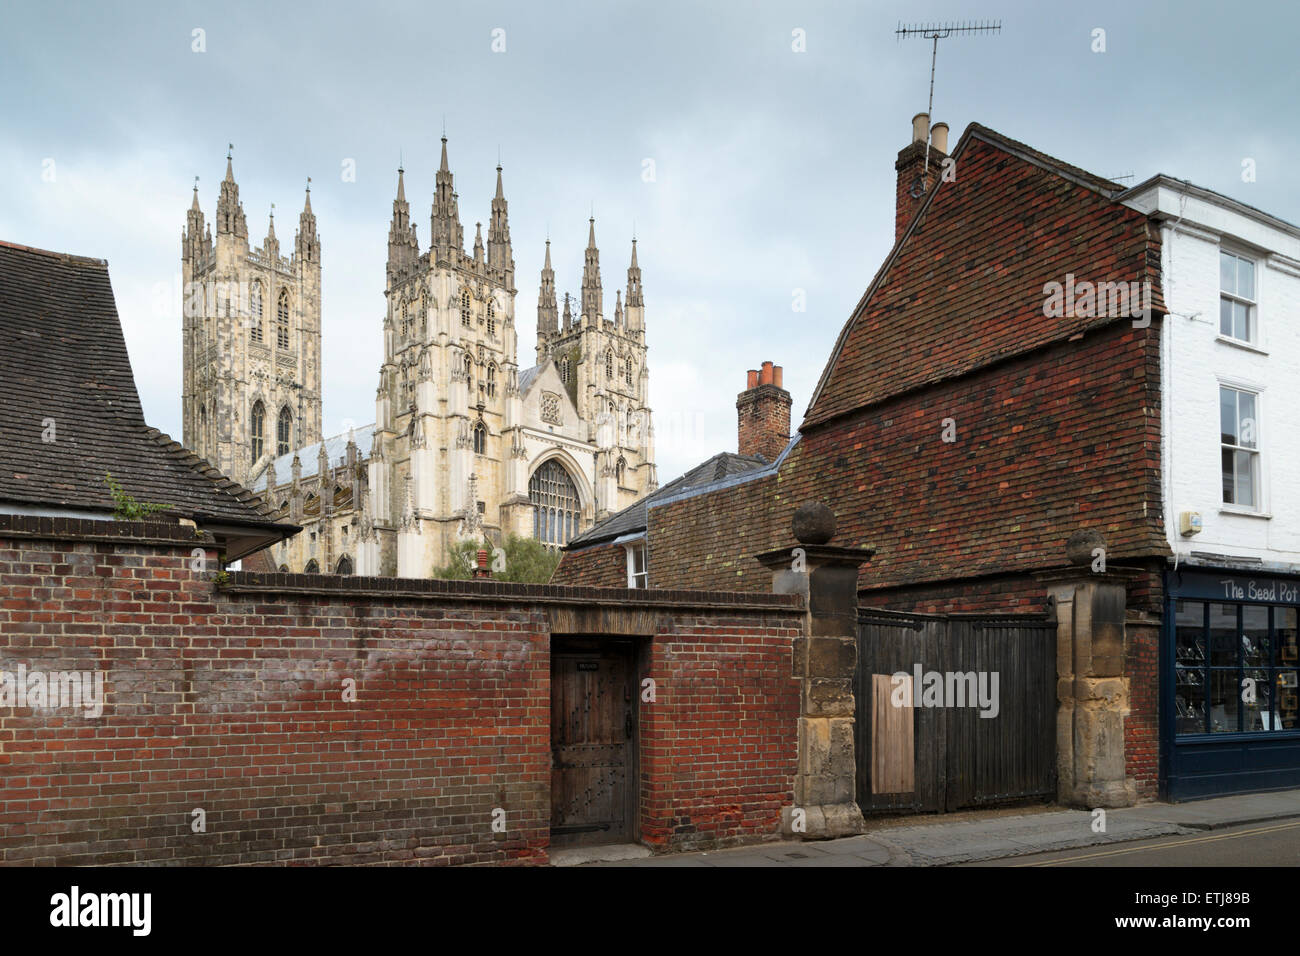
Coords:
pixel 1230 706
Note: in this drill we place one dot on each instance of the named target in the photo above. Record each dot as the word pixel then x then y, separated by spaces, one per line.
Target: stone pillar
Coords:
pixel 1092 688
pixel 825 662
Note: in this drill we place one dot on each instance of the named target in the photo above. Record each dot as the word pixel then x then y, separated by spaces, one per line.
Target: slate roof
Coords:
pixel 527 376
pixel 309 457
pixel 633 517
pixel 64 364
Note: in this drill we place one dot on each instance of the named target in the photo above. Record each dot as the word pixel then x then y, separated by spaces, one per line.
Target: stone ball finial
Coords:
pixel 1081 544
pixel 813 523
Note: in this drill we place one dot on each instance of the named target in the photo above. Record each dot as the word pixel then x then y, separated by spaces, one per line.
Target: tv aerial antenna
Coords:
pixel 936 32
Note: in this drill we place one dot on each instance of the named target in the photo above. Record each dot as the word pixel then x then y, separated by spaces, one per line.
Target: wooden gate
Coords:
pixel 592 746
pixel 922 744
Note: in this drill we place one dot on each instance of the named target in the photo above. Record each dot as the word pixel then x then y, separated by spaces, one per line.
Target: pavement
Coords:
pixel 968 837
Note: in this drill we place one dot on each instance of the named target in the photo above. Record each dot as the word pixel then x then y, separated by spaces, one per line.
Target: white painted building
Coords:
pixel 1230 377
pixel 1230 407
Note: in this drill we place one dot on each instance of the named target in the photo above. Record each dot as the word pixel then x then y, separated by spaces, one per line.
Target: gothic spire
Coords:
pixel 446 231
pixel 634 296
pixel 403 248
pixel 478 242
pixel 193 243
pixel 500 256
pixel 230 211
pixel 591 290
pixel 271 245
pixel 547 316
pixel 306 243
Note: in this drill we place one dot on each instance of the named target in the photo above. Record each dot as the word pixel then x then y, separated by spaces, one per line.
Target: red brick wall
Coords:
pixel 1142 725
pixel 1048 443
pixel 230 699
pixel 718 747
pixel 1002 595
pixel 1142 665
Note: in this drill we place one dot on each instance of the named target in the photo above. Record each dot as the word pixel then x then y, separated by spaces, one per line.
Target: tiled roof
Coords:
pixel 336 448
pixel 633 518
pixel 69 410
pixel 942 305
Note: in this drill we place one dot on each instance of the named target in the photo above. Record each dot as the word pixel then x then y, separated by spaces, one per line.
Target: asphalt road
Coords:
pixel 1252 845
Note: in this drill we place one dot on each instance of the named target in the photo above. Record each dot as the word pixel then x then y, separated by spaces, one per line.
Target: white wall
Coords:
pixel 1196 360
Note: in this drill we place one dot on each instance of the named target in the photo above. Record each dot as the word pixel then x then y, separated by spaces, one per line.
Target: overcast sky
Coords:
pixel 773 169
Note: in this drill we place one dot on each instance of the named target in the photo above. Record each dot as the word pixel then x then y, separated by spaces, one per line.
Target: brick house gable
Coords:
pixel 1012 220
pixel 1057 419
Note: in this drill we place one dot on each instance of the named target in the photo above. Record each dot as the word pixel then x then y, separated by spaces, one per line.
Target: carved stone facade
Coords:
pixel 251 330
pixel 463 440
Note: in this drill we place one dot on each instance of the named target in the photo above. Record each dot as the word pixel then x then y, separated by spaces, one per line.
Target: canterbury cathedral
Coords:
pixel 464 442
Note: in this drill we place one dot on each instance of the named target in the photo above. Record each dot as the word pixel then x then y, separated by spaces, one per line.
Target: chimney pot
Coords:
pixel 920 127
pixel 939 137
pixel 776 376
pixel 765 377
pixel 751 378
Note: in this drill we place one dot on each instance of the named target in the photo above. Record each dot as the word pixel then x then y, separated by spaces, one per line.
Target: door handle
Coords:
pixel 627 724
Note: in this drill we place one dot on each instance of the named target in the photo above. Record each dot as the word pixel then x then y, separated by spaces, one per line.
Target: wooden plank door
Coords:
pixel 592 725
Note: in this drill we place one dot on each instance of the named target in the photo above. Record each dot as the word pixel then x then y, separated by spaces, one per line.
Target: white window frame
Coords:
pixel 1260 482
pixel 632 547
pixel 1252 304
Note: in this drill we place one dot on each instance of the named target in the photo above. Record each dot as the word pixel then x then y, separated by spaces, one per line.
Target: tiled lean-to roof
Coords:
pixel 70 412
pixel 705 475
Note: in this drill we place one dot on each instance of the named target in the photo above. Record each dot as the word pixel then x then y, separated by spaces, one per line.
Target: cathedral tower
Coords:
pixel 602 363
pixel 447 446
pixel 251 337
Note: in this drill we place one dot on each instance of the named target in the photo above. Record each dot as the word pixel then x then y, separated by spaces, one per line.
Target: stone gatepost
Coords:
pixel 825 662
pixel 1092 688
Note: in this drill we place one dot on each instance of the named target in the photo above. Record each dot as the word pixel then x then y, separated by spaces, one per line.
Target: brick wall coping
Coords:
pixel 156 532
pixel 169 535
pixel 250 582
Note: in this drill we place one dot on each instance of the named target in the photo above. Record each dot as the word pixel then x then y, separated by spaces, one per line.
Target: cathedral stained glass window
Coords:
pixel 557 511
pixel 255 312
pixel 282 320
pixel 257 423
pixel 283 432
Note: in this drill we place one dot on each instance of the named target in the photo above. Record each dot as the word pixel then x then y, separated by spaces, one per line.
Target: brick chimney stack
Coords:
pixel 911 162
pixel 763 410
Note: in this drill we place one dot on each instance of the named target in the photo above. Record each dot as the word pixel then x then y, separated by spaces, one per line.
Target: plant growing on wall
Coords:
pixel 125 507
